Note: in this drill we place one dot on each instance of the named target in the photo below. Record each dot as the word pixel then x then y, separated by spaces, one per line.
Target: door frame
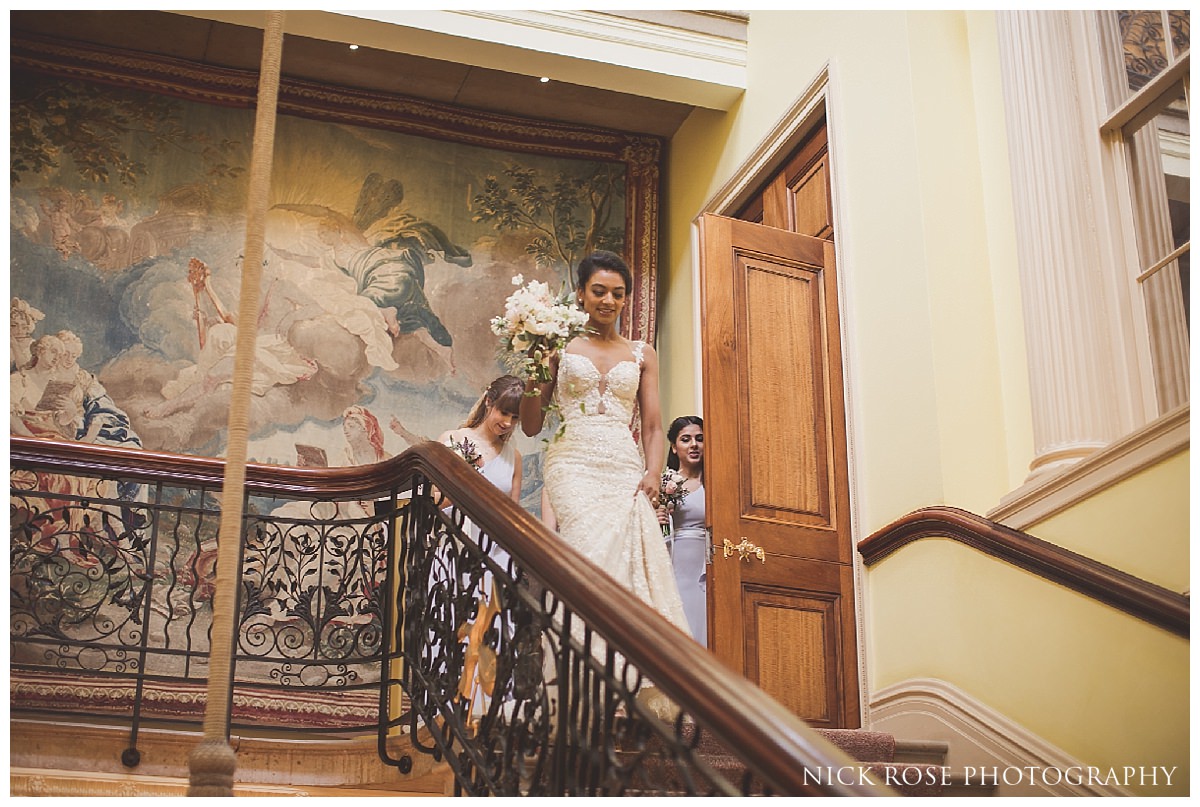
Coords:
pixel 764 160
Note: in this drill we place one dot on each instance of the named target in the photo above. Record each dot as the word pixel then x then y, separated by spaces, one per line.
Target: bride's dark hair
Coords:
pixel 603 259
pixel 504 393
pixel 673 432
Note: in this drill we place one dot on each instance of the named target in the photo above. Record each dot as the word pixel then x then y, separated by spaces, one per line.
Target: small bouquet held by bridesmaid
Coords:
pixel 535 324
pixel 466 449
pixel 670 493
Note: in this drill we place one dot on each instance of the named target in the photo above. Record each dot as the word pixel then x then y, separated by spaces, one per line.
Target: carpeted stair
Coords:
pixel 878 750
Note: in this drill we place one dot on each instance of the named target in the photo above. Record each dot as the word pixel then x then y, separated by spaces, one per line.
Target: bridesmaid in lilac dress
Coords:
pixel 688 541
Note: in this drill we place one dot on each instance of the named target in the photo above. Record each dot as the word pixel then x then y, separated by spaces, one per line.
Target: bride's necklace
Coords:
pixel 594 336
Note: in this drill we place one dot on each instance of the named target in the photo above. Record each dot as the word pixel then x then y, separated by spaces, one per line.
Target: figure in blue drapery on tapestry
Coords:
pixel 385 249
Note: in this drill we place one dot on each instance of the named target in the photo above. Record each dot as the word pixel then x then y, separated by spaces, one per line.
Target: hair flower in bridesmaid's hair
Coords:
pixel 536 324
pixel 466 449
pixel 670 493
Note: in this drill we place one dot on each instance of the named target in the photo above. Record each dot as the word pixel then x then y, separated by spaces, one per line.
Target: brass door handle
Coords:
pixel 745 550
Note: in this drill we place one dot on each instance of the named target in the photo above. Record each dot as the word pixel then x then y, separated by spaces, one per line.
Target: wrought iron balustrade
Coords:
pixel 112 575
pixel 368 602
pixel 531 672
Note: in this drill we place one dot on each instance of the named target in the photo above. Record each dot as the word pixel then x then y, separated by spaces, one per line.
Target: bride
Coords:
pixel 602 490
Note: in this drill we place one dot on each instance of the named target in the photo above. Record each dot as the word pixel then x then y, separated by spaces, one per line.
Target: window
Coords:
pixel 1149 126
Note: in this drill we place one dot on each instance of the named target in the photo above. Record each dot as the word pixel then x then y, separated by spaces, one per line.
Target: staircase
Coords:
pixel 911 768
pixel 59 759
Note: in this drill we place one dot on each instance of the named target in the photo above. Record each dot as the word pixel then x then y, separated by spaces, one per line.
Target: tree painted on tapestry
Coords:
pixel 567 219
pixel 102 135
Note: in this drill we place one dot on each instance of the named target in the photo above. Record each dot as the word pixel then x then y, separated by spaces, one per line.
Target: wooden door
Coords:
pixel 796 198
pixel 781 594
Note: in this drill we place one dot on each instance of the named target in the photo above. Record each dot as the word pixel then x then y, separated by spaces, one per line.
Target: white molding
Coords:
pixel 728 24
pixel 829 97
pixel 624 32
pixel 573 45
pixel 1176 150
pixel 978 736
pixel 697 321
pixel 1043 497
pixel 61 784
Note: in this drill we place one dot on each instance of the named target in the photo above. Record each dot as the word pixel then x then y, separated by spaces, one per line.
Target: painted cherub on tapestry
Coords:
pixel 50 395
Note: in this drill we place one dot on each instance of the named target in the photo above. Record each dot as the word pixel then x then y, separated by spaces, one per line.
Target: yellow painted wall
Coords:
pixel 1105 687
pixel 934 343
pixel 1141 525
pixel 1001 246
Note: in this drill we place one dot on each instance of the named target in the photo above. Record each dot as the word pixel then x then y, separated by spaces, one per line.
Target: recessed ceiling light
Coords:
pixel 354 47
pixel 544 79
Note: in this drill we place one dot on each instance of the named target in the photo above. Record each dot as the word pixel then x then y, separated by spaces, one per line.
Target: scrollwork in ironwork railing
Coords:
pixel 368 603
pixel 1144 42
pixel 311 582
pixel 516 693
pixel 80 569
pixel 112 580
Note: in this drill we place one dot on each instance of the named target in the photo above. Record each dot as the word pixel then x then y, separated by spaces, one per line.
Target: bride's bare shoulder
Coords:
pixel 576 345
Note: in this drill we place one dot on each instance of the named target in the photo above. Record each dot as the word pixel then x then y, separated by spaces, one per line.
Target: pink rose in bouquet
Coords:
pixel 670 493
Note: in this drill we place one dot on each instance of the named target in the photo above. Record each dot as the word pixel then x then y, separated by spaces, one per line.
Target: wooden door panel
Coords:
pixel 809 196
pixel 794 643
pixel 790 655
pixel 776 483
pixel 784 453
pixel 786 444
pixel 796 198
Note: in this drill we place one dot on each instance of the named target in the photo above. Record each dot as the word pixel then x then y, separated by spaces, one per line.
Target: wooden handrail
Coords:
pixel 1146 601
pixel 742 716
pixel 148 466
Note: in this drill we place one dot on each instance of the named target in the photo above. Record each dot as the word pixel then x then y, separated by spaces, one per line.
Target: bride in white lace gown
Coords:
pixel 602 490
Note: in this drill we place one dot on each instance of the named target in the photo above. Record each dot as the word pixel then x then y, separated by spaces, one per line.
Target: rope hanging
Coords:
pixel 212 763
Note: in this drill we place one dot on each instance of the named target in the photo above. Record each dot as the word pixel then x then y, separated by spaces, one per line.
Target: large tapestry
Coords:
pixel 395 227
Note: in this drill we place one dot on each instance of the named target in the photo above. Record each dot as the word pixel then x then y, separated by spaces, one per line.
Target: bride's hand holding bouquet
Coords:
pixel 535 326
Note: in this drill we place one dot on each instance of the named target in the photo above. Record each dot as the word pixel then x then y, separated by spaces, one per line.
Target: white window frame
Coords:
pixel 1155 297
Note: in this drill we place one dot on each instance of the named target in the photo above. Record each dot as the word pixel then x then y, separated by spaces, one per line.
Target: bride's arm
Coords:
pixel 653 441
pixel 536 399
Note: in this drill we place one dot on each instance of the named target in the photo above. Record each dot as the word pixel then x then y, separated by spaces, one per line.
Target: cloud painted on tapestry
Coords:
pixel 386 256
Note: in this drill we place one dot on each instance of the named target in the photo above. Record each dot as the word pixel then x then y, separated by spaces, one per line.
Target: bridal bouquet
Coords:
pixel 671 493
pixel 535 324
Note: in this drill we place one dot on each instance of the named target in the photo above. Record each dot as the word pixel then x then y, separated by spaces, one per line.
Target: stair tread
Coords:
pixel 862 744
pixel 921 751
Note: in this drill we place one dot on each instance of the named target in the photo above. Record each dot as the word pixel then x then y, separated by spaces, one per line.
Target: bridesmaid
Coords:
pixel 489 427
pixel 688 542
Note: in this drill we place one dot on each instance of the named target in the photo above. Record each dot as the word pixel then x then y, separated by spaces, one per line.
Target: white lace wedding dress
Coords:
pixel 591 473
